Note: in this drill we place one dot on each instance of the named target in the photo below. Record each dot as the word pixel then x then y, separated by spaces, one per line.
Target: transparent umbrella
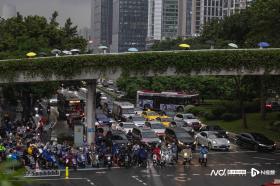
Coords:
pixel 132 50
pixel 66 52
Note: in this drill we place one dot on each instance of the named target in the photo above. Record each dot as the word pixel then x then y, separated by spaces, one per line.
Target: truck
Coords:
pixel 122 110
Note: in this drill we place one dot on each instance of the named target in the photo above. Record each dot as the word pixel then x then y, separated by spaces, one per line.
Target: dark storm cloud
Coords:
pixel 77 10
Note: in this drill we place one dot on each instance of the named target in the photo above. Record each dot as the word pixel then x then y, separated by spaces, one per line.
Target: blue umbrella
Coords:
pixel 263 44
pixel 132 50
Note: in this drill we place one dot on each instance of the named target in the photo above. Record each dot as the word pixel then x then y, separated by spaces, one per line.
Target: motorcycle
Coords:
pixel 203 160
pixel 108 161
pixel 187 157
pixel 81 160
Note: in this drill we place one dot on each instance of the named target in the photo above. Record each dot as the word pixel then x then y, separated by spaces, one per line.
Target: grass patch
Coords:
pixel 255 124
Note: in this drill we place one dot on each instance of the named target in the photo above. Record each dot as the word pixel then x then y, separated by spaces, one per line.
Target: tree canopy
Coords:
pixel 20 35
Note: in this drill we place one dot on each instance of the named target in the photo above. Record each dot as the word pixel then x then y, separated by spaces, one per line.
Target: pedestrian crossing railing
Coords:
pixel 41 173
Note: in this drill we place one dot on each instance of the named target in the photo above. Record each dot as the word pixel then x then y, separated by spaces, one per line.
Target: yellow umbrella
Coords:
pixel 31 54
pixel 184 45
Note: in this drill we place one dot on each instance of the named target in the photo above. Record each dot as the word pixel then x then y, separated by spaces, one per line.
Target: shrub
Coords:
pixel 210 116
pixel 218 111
pixel 252 107
pixel 196 111
pixel 229 117
pixel 188 107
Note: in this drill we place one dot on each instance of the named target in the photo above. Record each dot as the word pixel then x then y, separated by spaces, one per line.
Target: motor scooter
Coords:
pixel 203 159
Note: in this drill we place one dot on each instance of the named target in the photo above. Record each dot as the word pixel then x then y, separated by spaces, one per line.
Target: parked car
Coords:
pixel 156 126
pixel 189 119
pixel 138 120
pixel 180 137
pixel 213 140
pixel 150 115
pixel 126 126
pixel 255 141
pixel 215 128
pixel 145 136
pixel 119 137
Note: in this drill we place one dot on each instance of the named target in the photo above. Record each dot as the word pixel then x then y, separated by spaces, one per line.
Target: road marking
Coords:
pixel 264 158
pixel 182 174
pixel 234 152
pixel 196 174
pixel 57 179
pixel 139 180
pixel 101 172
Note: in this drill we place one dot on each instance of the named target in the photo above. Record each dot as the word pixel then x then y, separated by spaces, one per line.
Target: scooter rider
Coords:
pixel 129 135
pixel 203 150
pixel 174 149
pixel 187 154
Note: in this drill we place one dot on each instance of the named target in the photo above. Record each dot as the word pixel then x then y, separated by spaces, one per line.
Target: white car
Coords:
pixel 212 140
pixel 126 126
pixel 189 119
pixel 156 126
pixel 138 120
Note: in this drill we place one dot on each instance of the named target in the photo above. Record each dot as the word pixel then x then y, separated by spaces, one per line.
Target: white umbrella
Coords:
pixel 102 47
pixel 66 52
pixel 56 51
pixel 233 45
pixel 75 50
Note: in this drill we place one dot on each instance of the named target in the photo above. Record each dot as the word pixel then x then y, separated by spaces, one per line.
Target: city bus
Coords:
pixel 70 106
pixel 166 101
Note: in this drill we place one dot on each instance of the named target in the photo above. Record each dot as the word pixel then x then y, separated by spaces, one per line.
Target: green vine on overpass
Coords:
pixel 182 61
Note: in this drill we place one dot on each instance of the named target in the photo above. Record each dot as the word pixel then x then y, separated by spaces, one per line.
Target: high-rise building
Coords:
pixel 130 25
pixel 101 23
pixel 170 19
pixel 206 10
pixel 7 10
pixel 184 18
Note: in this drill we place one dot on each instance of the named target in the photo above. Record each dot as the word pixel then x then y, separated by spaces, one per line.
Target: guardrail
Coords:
pixel 42 173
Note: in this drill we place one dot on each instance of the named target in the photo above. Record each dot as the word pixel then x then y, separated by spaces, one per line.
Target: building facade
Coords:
pixel 184 18
pixel 101 23
pixel 206 10
pixel 130 25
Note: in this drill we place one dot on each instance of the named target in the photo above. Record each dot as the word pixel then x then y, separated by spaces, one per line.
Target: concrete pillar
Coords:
pixel 91 110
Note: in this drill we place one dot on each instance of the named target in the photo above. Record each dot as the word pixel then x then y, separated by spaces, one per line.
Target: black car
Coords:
pixel 255 141
pixel 180 136
pixel 215 128
pixel 119 137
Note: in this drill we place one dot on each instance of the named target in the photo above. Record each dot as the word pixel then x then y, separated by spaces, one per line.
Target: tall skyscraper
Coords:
pixel 184 18
pixel 170 19
pixel 130 22
pixel 101 23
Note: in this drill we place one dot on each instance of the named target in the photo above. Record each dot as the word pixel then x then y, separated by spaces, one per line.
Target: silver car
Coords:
pixel 212 140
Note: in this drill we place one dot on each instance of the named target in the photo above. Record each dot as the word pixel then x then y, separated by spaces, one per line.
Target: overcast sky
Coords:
pixel 77 10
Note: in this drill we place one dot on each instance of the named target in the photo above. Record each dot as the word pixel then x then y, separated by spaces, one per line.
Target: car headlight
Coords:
pixel 227 133
pixel 228 141
pixel 214 142
pixel 67 115
pixel 159 141
pixel 185 154
pixel 262 145
pixel 180 143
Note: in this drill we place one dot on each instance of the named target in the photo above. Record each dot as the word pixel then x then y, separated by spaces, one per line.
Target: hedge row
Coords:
pixel 182 61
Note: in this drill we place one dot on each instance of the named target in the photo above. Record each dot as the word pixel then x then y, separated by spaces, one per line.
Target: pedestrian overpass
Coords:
pixel 180 63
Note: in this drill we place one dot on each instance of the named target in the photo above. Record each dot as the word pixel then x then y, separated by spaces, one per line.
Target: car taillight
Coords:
pixel 268 106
